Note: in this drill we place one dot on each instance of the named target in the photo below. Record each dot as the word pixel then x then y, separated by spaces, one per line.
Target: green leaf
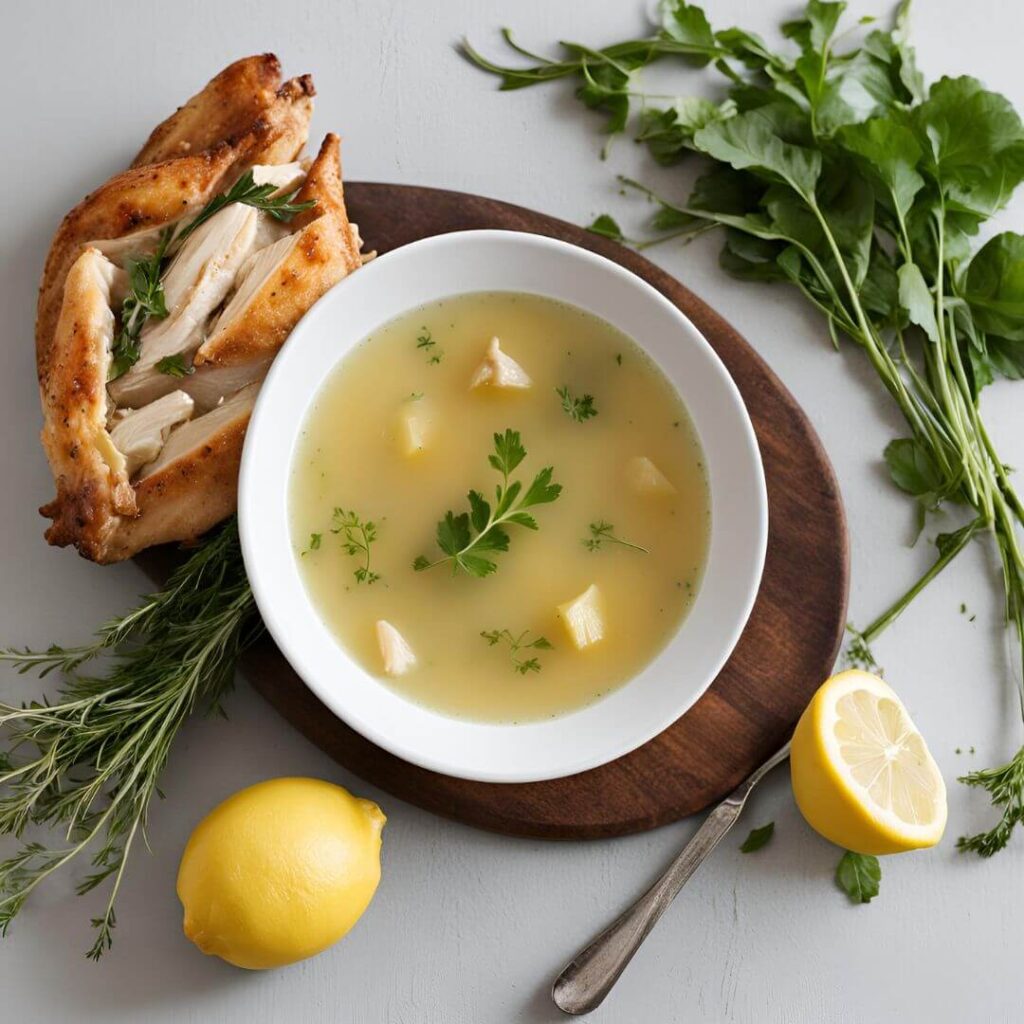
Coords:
pixel 542 490
pixel 480 511
pixel 453 533
pixel 891 153
pixel 476 566
pixel 962 128
pixel 495 539
pixel 912 468
pixel 175 366
pixel 917 300
pixel 858 875
pixel 669 132
pixel 508 452
pixel 606 88
pixel 994 286
pixel 758 838
pixel 687 23
pixel 605 225
pixel 815 29
pixel 750 258
pixel 748 142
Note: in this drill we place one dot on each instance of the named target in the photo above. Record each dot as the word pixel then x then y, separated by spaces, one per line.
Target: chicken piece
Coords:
pixel 499 370
pixel 148 197
pixel 140 434
pixel 90 473
pixel 323 185
pixel 286 177
pixel 210 385
pixel 278 287
pixel 196 283
pixel 645 478
pixel 191 485
pixel 281 129
pixel 583 619
pixel 395 653
pixel 226 108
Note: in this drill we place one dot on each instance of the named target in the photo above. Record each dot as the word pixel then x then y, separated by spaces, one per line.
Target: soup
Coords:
pixel 529 601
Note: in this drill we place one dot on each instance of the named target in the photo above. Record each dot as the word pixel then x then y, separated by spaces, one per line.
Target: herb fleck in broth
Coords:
pixel 355 454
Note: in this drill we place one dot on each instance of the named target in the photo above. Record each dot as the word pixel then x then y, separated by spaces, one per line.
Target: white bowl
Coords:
pixel 473 261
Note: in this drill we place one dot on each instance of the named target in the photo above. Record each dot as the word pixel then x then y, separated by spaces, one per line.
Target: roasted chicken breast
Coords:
pixel 164 298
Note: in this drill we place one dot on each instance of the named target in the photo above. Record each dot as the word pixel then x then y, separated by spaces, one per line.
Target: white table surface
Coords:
pixel 469 928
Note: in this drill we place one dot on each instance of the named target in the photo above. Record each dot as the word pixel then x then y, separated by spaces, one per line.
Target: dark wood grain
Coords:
pixel 787 649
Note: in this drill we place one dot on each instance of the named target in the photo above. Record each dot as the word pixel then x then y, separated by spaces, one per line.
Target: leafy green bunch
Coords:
pixel 831 168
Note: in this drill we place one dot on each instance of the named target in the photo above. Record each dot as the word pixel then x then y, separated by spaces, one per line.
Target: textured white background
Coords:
pixel 468 928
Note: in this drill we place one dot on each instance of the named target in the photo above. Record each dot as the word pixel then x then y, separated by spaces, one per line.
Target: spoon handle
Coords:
pixel 590 975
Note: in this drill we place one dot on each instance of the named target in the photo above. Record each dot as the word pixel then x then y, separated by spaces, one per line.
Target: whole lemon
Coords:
pixel 280 871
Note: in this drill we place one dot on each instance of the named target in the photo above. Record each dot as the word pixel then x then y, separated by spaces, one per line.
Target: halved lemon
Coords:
pixel 862 775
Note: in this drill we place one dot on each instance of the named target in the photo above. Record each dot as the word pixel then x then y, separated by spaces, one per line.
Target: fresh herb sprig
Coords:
pixel 145 300
pixel 248 193
pixel 602 533
pixel 91 761
pixel 425 341
pixel 470 538
pixel 830 167
pixel 577 409
pixel 517 644
pixel 356 537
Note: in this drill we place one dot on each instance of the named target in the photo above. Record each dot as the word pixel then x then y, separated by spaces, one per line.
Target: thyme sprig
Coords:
pixel 89 763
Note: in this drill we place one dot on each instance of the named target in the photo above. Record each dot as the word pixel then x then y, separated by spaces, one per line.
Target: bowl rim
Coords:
pixel 301 637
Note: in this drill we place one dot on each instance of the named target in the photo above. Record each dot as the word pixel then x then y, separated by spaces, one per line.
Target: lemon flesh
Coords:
pixel 862 774
pixel 279 871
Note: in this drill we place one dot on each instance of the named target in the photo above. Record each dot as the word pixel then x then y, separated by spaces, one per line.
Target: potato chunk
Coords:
pixel 415 426
pixel 395 653
pixel 499 370
pixel 645 478
pixel 583 619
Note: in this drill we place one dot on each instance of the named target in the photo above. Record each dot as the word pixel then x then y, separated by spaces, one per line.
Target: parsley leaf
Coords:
pixel 858 875
pixel 517 644
pixel 356 537
pixel 758 838
pixel 578 409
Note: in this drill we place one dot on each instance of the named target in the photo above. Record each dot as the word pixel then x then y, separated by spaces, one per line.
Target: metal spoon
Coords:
pixel 590 975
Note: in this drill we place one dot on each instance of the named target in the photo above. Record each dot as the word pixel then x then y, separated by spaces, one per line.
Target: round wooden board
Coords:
pixel 787 648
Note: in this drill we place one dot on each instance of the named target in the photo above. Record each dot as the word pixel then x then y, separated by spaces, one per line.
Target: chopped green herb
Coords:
pixel 175 366
pixel 517 644
pixel 356 538
pixel 315 540
pixel 145 300
pixel 606 227
pixel 858 875
pixel 578 409
pixel 618 358
pixel 600 532
pixel 468 538
pixel 758 838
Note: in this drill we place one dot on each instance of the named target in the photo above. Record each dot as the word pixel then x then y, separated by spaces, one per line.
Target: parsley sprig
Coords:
pixel 468 539
pixel 602 532
pixel 578 409
pixel 517 644
pixel 356 537
pixel 831 167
